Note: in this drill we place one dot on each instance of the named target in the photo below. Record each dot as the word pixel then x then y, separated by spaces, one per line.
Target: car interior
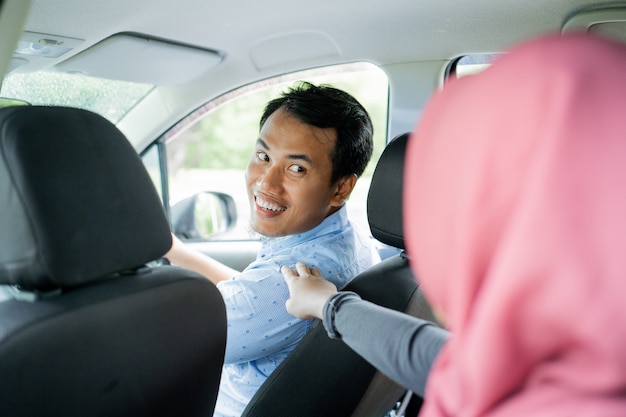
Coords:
pixel 123 120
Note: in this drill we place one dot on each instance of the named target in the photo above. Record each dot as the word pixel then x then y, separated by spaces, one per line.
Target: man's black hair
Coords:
pixel 324 106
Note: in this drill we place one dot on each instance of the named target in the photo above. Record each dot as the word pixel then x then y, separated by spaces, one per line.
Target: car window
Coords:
pixel 109 98
pixel 208 151
pixel 152 163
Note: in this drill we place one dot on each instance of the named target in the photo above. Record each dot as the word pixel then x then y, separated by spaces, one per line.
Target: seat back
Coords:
pixel 92 330
pixel 324 377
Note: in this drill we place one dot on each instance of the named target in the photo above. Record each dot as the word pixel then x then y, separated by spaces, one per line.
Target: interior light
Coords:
pixel 43 45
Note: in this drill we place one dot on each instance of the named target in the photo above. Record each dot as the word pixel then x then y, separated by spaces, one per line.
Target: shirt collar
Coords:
pixel 336 221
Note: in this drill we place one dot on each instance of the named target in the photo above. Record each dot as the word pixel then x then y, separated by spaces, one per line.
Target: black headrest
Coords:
pixel 384 201
pixel 76 203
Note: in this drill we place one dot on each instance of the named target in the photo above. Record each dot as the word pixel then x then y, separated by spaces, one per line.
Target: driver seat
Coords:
pixel 88 328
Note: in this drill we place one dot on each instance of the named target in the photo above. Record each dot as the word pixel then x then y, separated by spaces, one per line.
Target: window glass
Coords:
pixel 111 99
pixel 151 160
pixel 209 150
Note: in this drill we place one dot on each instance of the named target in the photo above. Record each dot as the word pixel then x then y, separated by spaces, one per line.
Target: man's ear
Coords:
pixel 343 189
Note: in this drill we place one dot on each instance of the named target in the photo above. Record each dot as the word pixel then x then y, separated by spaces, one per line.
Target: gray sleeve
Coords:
pixel 401 346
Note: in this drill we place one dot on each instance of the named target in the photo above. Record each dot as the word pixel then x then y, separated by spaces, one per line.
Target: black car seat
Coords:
pixel 92 330
pixel 324 377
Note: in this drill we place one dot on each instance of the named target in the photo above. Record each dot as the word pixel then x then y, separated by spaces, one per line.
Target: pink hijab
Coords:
pixel 515 193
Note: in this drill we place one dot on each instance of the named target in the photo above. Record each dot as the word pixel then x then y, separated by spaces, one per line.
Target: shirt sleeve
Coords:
pixel 258 323
pixel 400 346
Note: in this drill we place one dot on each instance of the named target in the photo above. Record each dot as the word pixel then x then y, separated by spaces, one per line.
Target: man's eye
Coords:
pixel 296 168
pixel 262 156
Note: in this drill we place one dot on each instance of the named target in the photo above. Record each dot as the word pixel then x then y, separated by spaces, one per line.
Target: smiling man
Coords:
pixel 314 143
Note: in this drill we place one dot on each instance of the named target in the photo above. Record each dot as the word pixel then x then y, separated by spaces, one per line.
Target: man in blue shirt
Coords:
pixel 313 144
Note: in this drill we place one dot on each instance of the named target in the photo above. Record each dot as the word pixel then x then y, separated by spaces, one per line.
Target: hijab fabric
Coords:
pixel 515 196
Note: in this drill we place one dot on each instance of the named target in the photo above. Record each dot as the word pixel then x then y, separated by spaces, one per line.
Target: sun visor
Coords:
pixel 605 21
pixel 141 59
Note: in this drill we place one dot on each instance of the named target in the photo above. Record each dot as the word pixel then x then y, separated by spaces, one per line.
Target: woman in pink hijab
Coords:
pixel 515 220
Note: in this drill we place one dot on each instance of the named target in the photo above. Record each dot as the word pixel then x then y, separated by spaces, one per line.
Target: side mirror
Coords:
pixel 204 215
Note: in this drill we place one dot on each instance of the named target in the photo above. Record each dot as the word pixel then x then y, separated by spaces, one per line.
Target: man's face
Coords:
pixel 288 177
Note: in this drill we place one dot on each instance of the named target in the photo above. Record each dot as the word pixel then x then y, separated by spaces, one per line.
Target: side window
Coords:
pixel 207 152
pixel 151 161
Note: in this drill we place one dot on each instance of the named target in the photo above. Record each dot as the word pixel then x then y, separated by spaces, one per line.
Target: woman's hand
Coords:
pixel 308 291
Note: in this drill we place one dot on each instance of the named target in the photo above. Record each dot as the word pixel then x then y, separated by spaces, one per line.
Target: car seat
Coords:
pixel 324 377
pixel 91 330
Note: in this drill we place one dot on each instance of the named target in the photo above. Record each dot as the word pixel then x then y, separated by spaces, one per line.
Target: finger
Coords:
pixel 302 269
pixel 316 272
pixel 287 272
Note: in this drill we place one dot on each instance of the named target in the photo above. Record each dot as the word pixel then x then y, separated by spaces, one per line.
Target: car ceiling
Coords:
pixel 383 32
pixel 259 39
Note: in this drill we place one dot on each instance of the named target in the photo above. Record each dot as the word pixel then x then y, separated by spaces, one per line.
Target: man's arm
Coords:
pixel 181 255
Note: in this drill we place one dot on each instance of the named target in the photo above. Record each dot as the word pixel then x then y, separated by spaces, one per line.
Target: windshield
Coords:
pixel 111 99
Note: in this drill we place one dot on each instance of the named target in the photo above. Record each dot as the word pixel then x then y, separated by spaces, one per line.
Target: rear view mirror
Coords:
pixel 204 215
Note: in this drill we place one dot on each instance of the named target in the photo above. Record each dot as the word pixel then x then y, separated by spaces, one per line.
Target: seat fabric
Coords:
pixel 92 330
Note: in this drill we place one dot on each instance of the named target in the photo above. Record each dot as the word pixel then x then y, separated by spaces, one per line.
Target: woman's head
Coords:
pixel 515 195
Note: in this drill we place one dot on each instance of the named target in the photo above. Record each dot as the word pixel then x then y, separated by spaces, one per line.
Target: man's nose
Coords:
pixel 271 179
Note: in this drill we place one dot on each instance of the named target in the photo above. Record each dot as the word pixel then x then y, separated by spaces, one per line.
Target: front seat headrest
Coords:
pixel 384 200
pixel 75 204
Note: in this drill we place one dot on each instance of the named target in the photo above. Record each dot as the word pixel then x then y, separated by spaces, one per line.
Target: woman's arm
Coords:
pixel 401 346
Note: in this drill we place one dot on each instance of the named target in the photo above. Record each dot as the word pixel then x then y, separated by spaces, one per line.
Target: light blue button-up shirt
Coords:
pixel 260 331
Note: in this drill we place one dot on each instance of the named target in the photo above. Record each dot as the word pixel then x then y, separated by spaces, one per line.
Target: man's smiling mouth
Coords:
pixel 266 205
